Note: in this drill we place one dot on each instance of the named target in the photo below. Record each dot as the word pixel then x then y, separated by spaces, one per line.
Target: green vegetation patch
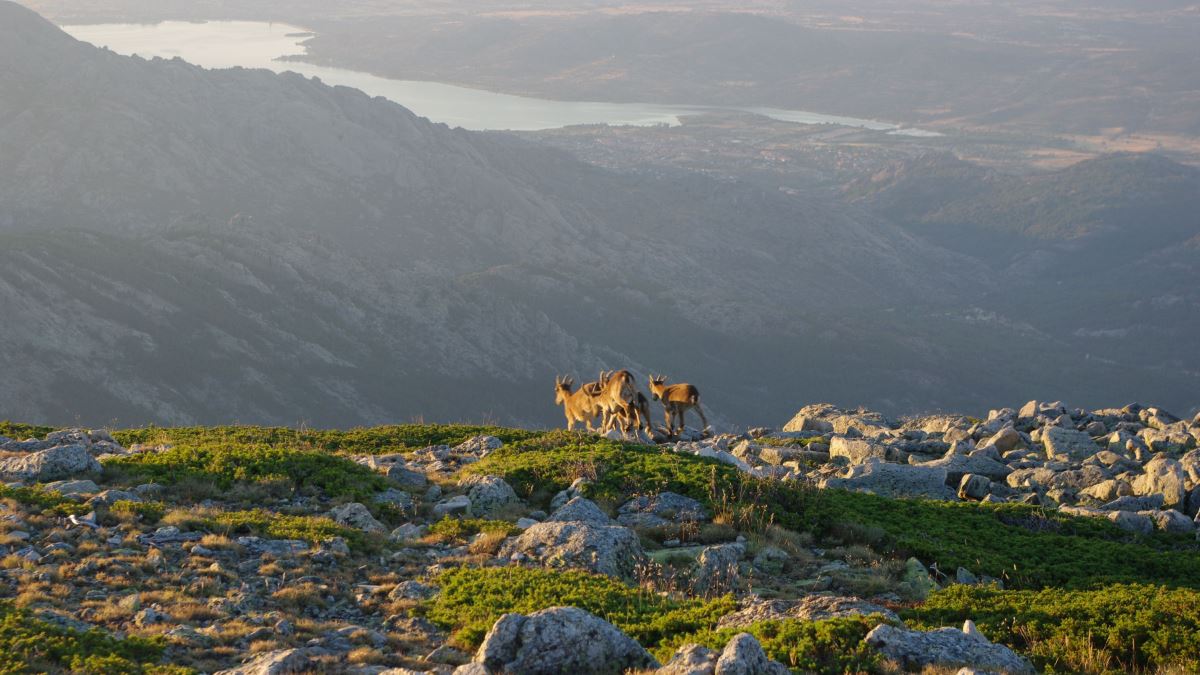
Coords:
pixel 30 645
pixel 617 470
pixel 227 463
pixel 461 528
pixel 44 499
pixel 1026 546
pixel 149 512
pixel 269 525
pixel 472 599
pixel 1119 628
pixel 829 646
pixel 363 440
pixel 20 432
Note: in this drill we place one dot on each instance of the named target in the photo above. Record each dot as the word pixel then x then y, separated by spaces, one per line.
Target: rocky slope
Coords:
pixel 439 549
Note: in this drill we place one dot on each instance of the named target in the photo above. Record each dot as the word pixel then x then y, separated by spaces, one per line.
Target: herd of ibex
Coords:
pixel 616 401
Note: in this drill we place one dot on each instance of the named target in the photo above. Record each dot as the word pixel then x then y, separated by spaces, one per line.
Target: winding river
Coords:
pixel 251 44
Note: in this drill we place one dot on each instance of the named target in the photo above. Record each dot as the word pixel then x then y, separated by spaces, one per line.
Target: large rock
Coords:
pixel 478 446
pixel 560 640
pixel 717 568
pixel 1068 445
pixel 63 461
pixel 580 510
pixel 357 516
pixel 690 659
pixel 857 450
pixel 945 648
pixel 663 508
pixel 278 662
pixel 604 549
pixel 814 607
pixel 1163 476
pixel 1003 440
pixel 894 480
pixel 977 462
pixel 488 494
pixel 743 655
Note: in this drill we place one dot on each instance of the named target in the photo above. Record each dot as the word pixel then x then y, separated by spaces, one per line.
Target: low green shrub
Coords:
pixel 829 646
pixel 30 645
pixel 456 528
pixel 263 523
pixel 1119 628
pixel 1026 546
pixel 617 470
pixel 471 599
pixel 44 499
pixel 227 463
pixel 148 512
pixel 20 432
pixel 363 440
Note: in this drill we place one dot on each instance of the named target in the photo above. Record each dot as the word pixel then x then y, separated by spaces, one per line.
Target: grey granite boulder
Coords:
pixel 63 461
pixel 660 509
pixel 813 607
pixel 559 640
pixel 1163 476
pixel 894 480
pixel 1068 445
pixel 357 516
pixel 488 494
pixel 580 510
pixel 946 648
pixel 605 549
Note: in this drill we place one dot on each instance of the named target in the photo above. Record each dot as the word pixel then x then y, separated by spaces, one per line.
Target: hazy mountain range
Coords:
pixel 186 245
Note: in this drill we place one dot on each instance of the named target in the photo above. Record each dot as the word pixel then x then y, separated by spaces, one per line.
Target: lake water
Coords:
pixel 251 44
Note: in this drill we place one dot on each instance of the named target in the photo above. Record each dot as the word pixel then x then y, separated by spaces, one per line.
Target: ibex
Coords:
pixel 579 406
pixel 618 397
pixel 676 399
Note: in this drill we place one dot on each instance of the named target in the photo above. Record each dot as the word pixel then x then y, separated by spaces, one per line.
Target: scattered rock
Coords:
pixel 894 480
pixel 945 648
pixel 690 659
pixel 454 506
pixel 559 640
pixel 279 662
pixel 64 461
pixel 660 509
pixel 488 494
pixel 814 607
pixel 717 568
pixel 605 549
pixel 743 655
pixel 580 510
pixel 357 516
pixel 1163 476
pixel 1068 445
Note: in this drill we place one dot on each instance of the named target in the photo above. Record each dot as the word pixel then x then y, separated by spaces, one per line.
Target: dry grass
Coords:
pixel 300 596
pixel 487 543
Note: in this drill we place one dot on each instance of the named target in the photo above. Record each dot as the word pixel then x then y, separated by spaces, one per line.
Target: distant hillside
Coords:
pixel 1136 203
pixel 182 245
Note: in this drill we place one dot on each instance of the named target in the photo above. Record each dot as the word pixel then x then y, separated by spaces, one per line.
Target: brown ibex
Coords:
pixel 676 399
pixel 618 396
pixel 579 406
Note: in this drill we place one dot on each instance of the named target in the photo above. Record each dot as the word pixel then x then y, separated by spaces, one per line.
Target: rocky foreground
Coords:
pixel 482 550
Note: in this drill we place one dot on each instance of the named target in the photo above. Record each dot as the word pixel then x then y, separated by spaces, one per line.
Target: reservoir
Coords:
pixel 252 44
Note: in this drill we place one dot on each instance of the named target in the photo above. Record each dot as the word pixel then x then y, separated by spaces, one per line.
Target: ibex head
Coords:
pixel 562 388
pixel 658 383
